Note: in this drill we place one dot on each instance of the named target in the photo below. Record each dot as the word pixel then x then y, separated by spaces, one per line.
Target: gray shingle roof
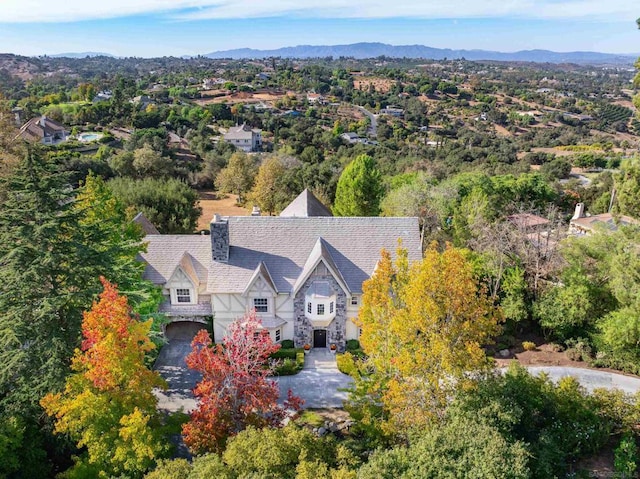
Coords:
pixel 284 245
pixel 147 226
pixel 306 205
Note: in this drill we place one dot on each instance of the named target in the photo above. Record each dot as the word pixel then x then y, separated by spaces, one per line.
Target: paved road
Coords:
pixel 373 127
pixel 589 378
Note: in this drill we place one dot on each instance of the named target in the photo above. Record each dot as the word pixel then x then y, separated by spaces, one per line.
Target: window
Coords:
pixel 309 308
pixel 183 295
pixel 320 309
pixel 277 335
pixel 354 300
pixel 261 305
pixel 331 307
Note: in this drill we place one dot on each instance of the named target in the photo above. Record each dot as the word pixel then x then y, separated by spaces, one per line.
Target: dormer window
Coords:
pixel 261 305
pixel 320 309
pixel 183 295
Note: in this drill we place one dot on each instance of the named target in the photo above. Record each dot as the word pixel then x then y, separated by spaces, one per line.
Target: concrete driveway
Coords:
pixel 319 383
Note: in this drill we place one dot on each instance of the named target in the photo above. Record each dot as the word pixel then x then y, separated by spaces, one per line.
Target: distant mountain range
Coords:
pixel 81 55
pixel 373 50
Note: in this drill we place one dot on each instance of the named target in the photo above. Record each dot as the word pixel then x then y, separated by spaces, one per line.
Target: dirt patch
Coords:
pixel 332 414
pixel 211 203
pixel 382 85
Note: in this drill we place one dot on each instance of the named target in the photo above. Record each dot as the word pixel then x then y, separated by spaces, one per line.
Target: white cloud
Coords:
pixel 20 11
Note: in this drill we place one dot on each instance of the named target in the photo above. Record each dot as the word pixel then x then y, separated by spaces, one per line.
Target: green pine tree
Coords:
pixel 359 189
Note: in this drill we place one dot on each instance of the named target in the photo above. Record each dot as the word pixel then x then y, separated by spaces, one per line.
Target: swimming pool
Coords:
pixel 86 137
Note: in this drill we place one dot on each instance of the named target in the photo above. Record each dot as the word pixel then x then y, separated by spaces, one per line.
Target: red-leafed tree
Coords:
pixel 235 391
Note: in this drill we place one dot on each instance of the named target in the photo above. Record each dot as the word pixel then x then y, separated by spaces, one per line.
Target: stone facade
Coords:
pixel 303 327
pixel 219 239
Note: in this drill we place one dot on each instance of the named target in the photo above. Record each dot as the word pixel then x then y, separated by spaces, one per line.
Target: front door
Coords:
pixel 319 338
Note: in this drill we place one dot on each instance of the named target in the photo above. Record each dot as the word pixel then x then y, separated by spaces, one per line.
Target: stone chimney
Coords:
pixel 256 211
pixel 579 213
pixel 219 239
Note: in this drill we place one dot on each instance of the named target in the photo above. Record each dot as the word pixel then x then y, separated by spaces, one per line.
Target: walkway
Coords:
pixel 319 382
pixel 589 378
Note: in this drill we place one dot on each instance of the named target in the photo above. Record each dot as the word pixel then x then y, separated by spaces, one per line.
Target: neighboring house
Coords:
pixel 397 112
pixel 43 130
pixel 584 224
pixel 528 222
pixel 314 98
pixel 302 271
pixel 351 137
pixel 244 138
pixel 211 83
pixel 104 95
pixel 142 101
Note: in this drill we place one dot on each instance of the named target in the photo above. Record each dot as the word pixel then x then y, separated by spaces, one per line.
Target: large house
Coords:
pixel 244 138
pixel 583 224
pixel 301 271
pixel 43 130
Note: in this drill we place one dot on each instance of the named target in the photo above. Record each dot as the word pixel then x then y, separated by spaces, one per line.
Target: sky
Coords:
pixel 148 28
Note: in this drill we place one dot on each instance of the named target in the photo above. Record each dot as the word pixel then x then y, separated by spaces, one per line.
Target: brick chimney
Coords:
pixel 579 213
pixel 219 239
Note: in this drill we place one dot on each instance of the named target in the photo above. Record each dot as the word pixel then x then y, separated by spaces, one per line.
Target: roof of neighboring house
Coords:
pixel 607 220
pixel 241 132
pixel 527 220
pixel 147 227
pixel 285 245
pixel 306 205
pixel 40 127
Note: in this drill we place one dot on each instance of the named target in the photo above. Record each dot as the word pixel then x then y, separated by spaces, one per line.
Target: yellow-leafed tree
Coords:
pixel 423 328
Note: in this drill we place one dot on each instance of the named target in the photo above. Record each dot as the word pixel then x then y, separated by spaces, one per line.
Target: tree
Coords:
pixel 423 327
pixel 359 189
pixel 627 184
pixel 234 391
pixel 270 192
pixel 148 163
pixel 108 405
pixel 170 204
pixel 238 176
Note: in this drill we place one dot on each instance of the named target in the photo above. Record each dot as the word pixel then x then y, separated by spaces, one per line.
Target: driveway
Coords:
pixel 172 367
pixel 589 378
pixel 319 383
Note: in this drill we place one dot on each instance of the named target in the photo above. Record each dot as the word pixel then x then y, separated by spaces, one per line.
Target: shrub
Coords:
pixel 626 457
pixel 578 350
pixel 353 344
pixel 288 364
pixel 287 344
pixel 529 345
pixel 283 353
pixel 347 363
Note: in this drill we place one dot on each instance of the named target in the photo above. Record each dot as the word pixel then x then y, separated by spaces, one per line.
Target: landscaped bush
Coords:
pixel 287 344
pixel 353 344
pixel 348 362
pixel 288 361
pixel 528 345
pixel 578 350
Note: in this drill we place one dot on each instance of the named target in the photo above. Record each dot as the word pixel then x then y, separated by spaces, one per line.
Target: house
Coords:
pixel 43 130
pixel 104 95
pixel 211 83
pixel 351 137
pixel 301 271
pixel 244 138
pixel 585 224
pixel 142 101
pixel 315 98
pixel 528 222
pixel 396 112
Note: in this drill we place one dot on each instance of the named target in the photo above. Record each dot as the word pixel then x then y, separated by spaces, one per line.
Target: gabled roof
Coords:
pixel 40 127
pixel 320 253
pixel 241 132
pixel 350 245
pixel 188 268
pixel 147 226
pixel 261 271
pixel 306 205
pixel 607 220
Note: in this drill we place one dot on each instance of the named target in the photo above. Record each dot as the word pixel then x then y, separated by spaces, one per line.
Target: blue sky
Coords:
pixel 187 27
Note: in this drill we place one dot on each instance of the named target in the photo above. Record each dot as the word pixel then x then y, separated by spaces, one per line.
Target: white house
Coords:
pixel 584 224
pixel 244 138
pixel 301 271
